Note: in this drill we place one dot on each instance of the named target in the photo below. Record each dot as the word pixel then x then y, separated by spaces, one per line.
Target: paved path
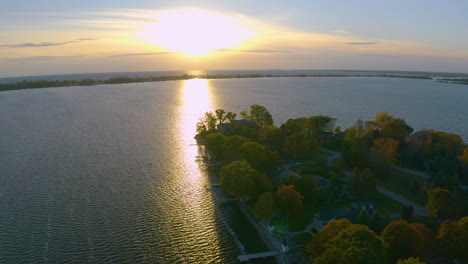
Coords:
pixel 245 258
pixel 417 209
pixel 334 156
pixel 417 173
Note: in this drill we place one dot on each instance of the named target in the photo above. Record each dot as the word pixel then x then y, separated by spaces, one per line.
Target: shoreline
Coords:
pixel 23 85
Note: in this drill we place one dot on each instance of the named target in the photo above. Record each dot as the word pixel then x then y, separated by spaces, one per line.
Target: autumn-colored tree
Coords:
pixel 401 240
pixel 410 261
pixel 441 203
pixel 428 242
pixel 265 206
pixel 320 239
pixel 239 179
pixel 353 245
pixel 385 150
pixel 289 199
pixel 453 237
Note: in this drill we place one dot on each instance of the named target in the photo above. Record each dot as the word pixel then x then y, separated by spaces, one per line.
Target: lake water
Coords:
pixel 110 173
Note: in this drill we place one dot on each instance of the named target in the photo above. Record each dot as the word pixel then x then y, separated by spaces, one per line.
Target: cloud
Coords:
pixel 342 32
pixel 252 51
pixel 361 43
pixel 45 44
pixel 38 58
pixel 265 51
pixel 144 54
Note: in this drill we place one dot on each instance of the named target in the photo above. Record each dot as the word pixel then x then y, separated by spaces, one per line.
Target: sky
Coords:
pixel 40 37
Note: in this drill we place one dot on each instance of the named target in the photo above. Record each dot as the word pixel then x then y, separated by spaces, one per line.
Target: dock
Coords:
pixel 248 257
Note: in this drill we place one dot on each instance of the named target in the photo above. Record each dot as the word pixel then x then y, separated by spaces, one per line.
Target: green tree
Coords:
pixel 258 156
pixel 356 244
pixel 319 241
pixel 391 126
pixel 401 240
pixel 297 146
pixel 260 115
pixel 265 206
pixel 221 115
pixel 363 217
pixel 230 116
pixel 441 203
pixel 239 179
pixel 362 184
pixel 232 148
pixel 410 261
pixel 215 143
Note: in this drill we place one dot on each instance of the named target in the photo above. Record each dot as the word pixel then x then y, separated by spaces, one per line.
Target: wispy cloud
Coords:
pixel 265 51
pixel 38 58
pixel 44 44
pixel 143 54
pixel 342 32
pixel 253 51
pixel 361 43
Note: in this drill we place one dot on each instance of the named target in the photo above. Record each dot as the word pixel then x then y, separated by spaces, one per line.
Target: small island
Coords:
pixel 376 192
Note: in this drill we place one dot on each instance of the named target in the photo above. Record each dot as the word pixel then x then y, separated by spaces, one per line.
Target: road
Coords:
pixel 417 209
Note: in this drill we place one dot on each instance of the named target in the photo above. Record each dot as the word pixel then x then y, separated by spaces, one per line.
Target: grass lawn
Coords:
pixel 386 205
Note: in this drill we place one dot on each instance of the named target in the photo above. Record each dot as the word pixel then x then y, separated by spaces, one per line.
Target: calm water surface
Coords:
pixel 111 174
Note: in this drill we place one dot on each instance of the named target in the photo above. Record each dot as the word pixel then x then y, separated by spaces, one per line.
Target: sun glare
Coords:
pixel 196 33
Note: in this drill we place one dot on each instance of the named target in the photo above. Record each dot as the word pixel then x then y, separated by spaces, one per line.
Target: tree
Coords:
pixel 401 240
pixel 231 148
pixel 362 184
pixel 265 206
pixel 260 115
pixel 428 242
pixel 272 137
pixel 407 212
pixel 297 146
pixel 410 261
pixel 215 143
pixel 385 150
pixel 363 217
pixel 355 244
pixel 230 116
pixel 258 156
pixel 289 199
pixel 390 126
pixel 221 115
pixel 320 239
pixel 464 157
pixel 239 179
pixel 453 236
pixel 440 203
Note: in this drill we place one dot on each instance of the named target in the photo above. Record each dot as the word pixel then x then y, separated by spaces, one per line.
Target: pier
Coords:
pixel 248 257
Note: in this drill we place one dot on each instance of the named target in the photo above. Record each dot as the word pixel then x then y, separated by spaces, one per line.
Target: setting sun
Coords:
pixel 196 33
